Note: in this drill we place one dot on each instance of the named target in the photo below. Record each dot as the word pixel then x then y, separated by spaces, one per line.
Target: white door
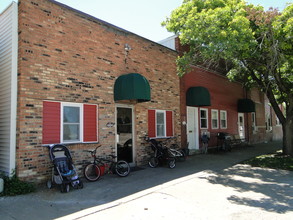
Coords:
pixel 192 128
pixel 241 127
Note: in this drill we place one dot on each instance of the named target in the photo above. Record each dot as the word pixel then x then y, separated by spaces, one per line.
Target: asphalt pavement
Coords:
pixel 210 186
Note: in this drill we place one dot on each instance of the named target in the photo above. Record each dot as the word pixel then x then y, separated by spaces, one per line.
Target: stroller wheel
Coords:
pixel 80 184
pixel 75 186
pixel 64 188
pixel 172 163
pixel 49 184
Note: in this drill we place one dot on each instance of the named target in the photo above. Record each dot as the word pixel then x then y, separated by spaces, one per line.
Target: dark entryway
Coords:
pixel 124 135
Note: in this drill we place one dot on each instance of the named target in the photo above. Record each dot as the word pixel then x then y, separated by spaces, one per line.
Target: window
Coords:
pixel 253 121
pixel 278 123
pixel 215 119
pixel 160 116
pixel 160 123
pixel 223 118
pixel 72 122
pixel 203 118
pixel 69 122
pixel 269 122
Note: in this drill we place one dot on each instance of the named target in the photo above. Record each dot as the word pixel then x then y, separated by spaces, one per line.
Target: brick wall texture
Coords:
pixel 68 56
pixel 224 96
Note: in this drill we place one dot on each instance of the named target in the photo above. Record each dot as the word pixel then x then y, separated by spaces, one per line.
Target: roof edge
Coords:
pixel 106 23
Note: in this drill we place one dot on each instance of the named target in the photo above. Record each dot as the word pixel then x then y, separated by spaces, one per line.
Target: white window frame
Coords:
pixel 217 118
pixel 253 121
pixel 269 126
pixel 278 123
pixel 225 118
pixel 81 128
pixel 207 117
pixel 165 125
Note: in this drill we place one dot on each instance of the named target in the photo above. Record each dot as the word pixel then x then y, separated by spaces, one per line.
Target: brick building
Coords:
pixel 212 104
pixel 77 80
pixel 67 77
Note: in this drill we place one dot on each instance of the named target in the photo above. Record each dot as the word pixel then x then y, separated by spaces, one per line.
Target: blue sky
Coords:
pixel 142 17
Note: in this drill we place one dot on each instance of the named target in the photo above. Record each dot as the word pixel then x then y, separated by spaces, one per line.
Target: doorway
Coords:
pixel 124 133
pixel 192 129
pixel 241 125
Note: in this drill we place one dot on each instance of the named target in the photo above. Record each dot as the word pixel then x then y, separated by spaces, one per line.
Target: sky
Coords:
pixel 142 17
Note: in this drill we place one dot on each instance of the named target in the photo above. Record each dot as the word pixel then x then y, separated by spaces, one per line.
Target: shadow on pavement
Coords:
pixel 259 187
pixel 50 204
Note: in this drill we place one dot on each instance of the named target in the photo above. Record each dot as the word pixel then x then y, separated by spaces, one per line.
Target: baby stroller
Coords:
pixel 63 171
pixel 162 155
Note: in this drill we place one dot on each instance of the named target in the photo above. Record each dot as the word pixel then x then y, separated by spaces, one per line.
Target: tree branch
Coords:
pixel 267 88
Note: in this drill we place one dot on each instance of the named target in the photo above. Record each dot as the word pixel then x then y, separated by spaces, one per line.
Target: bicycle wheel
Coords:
pixel 92 172
pixel 171 163
pixel 153 162
pixel 122 168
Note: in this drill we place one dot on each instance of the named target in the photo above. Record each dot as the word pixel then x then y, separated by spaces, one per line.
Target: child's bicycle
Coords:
pixel 101 165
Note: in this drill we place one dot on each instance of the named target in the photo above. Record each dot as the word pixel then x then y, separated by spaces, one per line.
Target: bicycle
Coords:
pixel 93 170
pixel 161 155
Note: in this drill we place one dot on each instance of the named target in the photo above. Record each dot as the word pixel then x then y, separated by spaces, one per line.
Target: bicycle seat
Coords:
pixel 112 156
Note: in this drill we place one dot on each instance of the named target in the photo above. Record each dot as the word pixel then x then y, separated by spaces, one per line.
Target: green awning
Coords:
pixel 246 105
pixel 132 86
pixel 198 96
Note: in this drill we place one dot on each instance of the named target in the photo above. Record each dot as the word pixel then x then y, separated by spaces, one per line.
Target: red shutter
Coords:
pixel 152 123
pixel 169 123
pixel 51 122
pixel 90 123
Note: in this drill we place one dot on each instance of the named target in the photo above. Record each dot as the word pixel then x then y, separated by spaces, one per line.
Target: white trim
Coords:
pixel 14 66
pixel 241 127
pixel 82 116
pixel 226 119
pixel 173 127
pixel 217 111
pixel 192 128
pixel 165 124
pixel 253 122
pixel 207 118
pixel 81 128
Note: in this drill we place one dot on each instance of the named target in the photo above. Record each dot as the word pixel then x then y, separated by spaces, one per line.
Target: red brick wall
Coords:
pixel 224 96
pixel 68 56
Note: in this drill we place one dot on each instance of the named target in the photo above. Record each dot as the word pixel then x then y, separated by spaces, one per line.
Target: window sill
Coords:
pixel 71 143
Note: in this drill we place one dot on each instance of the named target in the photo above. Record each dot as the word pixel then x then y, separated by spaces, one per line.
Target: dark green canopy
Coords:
pixel 132 86
pixel 198 96
pixel 246 105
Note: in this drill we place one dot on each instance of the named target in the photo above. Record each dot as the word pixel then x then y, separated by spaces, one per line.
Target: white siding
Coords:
pixel 169 42
pixel 8 87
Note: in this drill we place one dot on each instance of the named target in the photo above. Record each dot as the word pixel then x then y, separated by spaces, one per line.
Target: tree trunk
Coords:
pixel 288 135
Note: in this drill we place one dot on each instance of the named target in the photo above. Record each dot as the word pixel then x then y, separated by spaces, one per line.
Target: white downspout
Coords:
pixel 14 86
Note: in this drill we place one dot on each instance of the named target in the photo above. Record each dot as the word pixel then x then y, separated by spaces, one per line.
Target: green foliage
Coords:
pixel 257 44
pixel 274 161
pixel 14 186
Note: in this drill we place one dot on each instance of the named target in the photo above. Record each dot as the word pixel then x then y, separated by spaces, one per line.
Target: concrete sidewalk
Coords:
pixel 212 186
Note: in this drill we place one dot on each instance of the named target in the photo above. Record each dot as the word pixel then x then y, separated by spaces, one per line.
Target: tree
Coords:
pixel 256 45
